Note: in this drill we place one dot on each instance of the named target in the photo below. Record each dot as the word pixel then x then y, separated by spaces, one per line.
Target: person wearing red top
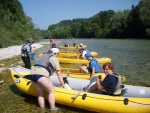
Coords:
pixel 52 43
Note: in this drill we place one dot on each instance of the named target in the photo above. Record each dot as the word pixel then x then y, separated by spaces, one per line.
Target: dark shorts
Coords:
pixel 53 46
pixel 35 77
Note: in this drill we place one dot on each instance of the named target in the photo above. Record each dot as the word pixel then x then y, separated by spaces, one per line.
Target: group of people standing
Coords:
pixel 48 63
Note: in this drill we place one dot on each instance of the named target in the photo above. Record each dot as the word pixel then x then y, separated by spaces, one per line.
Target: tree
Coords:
pixel 145 16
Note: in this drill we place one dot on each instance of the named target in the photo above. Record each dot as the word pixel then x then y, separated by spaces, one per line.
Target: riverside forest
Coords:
pixel 16 26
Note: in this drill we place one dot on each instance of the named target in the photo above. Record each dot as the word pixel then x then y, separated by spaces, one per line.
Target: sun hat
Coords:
pixel 81 44
pixel 87 55
pixel 55 50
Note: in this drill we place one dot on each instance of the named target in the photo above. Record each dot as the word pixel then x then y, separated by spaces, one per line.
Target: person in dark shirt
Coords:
pixel 26 51
pixel 108 85
pixel 75 44
pixel 66 44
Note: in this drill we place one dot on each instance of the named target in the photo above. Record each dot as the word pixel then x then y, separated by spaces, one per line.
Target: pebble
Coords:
pixel 1 82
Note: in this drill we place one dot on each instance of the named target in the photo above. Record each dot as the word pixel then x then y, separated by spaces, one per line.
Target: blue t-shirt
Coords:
pixel 110 83
pixel 94 64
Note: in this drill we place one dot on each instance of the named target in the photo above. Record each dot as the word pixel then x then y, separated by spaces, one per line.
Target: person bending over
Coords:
pixel 40 74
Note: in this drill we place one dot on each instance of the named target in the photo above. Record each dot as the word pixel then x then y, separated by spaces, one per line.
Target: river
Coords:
pixel 130 57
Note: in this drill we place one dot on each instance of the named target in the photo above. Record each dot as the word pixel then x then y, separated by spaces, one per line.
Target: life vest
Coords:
pixel 118 87
pixel 75 44
pixel 24 51
pixel 53 41
pixel 119 83
pixel 43 61
pixel 87 51
pixel 97 67
pixel 66 45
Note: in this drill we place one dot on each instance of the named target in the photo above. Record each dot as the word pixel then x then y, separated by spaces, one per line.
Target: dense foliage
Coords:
pixel 134 23
pixel 16 27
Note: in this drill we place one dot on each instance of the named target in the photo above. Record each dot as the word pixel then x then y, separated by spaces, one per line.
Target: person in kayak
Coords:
pixel 40 76
pixel 81 45
pixel 109 84
pixel 66 44
pixel 26 51
pixel 94 66
pixel 75 44
pixel 82 52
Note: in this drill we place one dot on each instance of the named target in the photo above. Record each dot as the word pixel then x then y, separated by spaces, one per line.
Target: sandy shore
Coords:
pixel 15 50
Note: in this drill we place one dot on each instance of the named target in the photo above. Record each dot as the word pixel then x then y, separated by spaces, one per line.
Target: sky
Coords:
pixel 48 12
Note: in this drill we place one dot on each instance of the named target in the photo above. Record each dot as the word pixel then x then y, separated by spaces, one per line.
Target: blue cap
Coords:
pixel 88 55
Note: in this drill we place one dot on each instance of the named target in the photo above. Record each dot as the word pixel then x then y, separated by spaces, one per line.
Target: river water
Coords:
pixel 131 58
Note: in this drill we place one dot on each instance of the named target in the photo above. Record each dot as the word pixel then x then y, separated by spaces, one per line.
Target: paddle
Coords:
pixel 85 88
pixel 85 94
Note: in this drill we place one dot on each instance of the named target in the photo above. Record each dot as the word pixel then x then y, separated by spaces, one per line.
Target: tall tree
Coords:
pixel 145 16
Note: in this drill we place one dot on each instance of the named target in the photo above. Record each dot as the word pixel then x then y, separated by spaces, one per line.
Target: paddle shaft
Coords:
pixel 84 89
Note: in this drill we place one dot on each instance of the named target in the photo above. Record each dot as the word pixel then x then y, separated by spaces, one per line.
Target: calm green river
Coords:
pixel 131 58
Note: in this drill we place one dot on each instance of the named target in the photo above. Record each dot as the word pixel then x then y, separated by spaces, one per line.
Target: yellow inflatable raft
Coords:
pixel 72 47
pixel 132 99
pixel 102 61
pixel 75 60
pixel 71 54
pixel 76 73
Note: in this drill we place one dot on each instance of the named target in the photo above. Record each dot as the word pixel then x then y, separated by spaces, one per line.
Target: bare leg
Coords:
pixel 92 88
pixel 84 69
pixel 48 86
pixel 41 99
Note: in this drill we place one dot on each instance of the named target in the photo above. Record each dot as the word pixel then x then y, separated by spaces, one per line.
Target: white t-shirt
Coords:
pixel 83 54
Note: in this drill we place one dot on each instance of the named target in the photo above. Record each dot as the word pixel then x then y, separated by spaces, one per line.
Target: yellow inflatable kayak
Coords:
pixel 76 73
pixel 102 61
pixel 72 54
pixel 75 60
pixel 71 47
pixel 132 99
